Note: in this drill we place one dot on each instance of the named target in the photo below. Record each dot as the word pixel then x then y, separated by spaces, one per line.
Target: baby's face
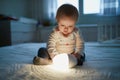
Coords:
pixel 66 26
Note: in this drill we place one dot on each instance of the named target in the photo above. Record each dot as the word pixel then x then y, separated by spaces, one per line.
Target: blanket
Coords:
pixel 102 63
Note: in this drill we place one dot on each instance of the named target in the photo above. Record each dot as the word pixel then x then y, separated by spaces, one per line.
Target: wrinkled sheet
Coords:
pixel 102 63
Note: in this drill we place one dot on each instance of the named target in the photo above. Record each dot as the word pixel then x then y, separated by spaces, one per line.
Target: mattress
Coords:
pixel 102 63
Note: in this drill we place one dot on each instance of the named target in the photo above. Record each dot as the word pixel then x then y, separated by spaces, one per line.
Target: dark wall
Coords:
pixel 14 8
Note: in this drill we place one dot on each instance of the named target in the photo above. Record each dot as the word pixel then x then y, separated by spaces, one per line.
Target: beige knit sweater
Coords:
pixel 58 44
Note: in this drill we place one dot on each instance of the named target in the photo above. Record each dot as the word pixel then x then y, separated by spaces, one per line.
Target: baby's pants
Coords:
pixel 43 53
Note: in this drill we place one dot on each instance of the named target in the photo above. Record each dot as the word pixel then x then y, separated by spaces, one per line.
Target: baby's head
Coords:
pixel 66 17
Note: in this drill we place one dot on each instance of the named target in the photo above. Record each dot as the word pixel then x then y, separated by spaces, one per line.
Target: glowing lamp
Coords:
pixel 64 61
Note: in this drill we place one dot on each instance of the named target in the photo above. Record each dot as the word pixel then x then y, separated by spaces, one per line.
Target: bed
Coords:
pixel 102 63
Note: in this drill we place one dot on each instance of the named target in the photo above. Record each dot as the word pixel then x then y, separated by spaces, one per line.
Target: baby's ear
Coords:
pixel 57 29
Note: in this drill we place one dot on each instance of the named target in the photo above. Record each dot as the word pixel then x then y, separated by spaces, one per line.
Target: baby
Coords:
pixel 65 37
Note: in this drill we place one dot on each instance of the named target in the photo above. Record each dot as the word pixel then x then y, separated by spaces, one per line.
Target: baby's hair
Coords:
pixel 67 10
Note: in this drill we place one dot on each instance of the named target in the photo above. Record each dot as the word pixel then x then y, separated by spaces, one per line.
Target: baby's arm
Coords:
pixel 51 45
pixel 79 42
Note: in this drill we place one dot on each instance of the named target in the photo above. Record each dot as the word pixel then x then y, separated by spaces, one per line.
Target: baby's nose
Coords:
pixel 65 28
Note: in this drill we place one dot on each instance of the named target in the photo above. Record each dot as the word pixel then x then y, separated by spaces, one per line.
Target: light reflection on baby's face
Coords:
pixel 66 26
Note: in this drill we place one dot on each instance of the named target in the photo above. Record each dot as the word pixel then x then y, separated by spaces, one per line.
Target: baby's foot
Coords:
pixel 41 61
pixel 36 60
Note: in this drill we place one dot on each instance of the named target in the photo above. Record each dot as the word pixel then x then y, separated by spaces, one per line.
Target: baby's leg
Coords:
pixel 81 59
pixel 41 61
pixel 42 58
pixel 43 53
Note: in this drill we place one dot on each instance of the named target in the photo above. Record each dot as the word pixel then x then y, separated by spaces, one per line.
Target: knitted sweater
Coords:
pixel 58 43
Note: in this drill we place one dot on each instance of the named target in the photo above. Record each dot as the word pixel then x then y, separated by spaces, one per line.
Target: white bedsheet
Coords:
pixel 102 63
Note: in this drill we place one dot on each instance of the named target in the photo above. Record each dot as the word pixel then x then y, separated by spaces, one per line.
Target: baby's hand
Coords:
pixel 76 55
pixel 52 56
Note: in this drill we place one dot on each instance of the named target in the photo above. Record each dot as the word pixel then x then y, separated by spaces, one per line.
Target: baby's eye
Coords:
pixel 62 25
pixel 70 26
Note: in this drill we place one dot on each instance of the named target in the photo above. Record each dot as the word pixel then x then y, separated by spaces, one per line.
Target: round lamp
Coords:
pixel 64 60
